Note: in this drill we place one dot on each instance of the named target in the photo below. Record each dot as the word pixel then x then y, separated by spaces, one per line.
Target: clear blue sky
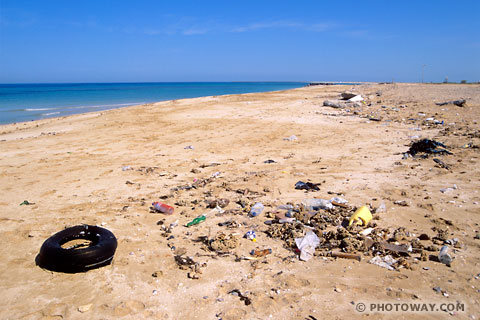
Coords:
pixel 174 40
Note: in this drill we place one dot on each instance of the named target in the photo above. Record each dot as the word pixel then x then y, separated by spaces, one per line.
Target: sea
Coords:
pixel 27 102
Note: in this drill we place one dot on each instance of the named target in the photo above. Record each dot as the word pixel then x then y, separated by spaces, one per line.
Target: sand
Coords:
pixel 71 169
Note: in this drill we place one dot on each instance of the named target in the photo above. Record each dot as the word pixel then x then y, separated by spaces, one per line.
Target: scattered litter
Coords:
pixel 402 203
pixel 243 298
pixel 361 217
pixel 384 262
pixel 347 95
pixel 356 98
pixel 307 245
pixel 366 232
pixel 300 185
pixel 441 164
pixel 256 209
pixel 189 148
pixel 269 161
pixel 260 253
pixel 426 146
pixel 444 257
pixel 162 207
pixel 251 235
pixel 459 103
pixel 317 204
pixel 26 203
pixel 346 255
pixel 291 138
pixel 445 190
pixel 197 220
pixel 125 168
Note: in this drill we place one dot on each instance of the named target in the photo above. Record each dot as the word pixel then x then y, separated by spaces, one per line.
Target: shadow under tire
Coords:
pixel 71 260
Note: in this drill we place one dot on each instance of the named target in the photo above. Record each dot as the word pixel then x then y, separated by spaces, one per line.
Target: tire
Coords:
pixel 100 253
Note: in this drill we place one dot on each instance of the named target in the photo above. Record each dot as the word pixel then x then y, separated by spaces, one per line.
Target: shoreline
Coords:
pixel 240 147
pixel 40 101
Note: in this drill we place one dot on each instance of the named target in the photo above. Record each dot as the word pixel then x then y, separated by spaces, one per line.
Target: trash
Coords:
pixel 307 245
pixel 97 250
pixel 402 203
pixel 125 168
pixel 260 253
pixel 286 220
pixel 460 103
pixel 197 220
pixel 300 185
pixel 362 216
pixel 356 98
pixel 251 235
pixel 427 146
pixel 243 298
pixel 445 190
pixel 347 95
pixel 256 209
pixel 444 257
pixel 269 161
pixel 384 262
pixel 161 207
pixel 26 203
pixel 316 204
pixel 189 148
pixel 366 232
pixel 291 138
pixel 346 255
pixel 381 208
pixel 441 164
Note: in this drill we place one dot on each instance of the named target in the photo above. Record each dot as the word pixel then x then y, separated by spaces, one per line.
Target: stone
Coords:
pixel 85 307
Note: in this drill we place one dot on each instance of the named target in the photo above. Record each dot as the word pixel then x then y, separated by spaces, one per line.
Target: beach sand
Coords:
pixel 71 169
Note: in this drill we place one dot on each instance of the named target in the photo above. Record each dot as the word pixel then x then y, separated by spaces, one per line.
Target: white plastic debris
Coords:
pixel 356 98
pixel 444 257
pixel 307 245
pixel 291 138
pixel 316 204
pixel 385 262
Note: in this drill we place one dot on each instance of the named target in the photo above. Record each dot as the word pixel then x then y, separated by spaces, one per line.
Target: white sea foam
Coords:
pixel 40 109
pixel 50 113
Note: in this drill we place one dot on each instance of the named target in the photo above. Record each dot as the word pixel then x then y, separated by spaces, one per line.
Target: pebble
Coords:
pixel 85 307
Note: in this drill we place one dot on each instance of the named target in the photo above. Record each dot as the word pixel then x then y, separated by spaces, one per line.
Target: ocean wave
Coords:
pixel 39 109
pixel 108 105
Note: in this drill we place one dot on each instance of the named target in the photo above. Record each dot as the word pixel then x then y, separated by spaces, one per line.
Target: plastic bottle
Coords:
pixel 197 220
pixel 256 209
pixel 444 257
pixel 316 204
pixel 162 207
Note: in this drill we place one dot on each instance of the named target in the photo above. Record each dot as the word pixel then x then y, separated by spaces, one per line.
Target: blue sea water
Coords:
pixel 25 102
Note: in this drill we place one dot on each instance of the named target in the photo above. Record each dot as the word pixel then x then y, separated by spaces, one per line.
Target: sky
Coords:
pixel 56 41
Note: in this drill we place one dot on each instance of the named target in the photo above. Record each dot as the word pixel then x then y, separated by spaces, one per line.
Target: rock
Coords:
pixel 85 307
pixel 347 95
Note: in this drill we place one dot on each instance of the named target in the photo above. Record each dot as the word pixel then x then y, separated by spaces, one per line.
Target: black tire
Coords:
pixel 100 253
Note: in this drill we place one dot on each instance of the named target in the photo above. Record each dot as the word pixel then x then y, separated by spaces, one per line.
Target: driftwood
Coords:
pixel 459 103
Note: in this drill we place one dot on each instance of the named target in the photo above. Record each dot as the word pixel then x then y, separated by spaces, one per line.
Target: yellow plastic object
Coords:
pixel 362 216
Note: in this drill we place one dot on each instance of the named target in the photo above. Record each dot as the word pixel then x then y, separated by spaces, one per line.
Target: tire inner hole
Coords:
pixel 76 244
